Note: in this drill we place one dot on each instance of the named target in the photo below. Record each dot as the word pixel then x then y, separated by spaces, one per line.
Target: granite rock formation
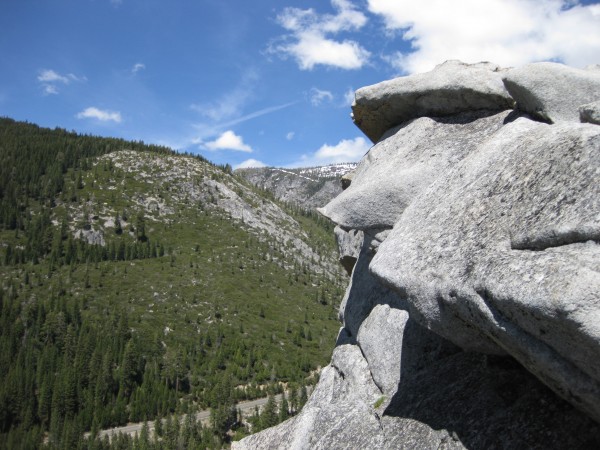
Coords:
pixel 472 317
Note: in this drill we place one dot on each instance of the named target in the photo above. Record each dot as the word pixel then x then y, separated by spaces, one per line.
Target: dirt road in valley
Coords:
pixel 246 408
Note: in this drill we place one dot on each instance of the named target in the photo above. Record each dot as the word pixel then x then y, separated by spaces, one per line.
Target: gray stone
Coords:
pixel 397 348
pixel 349 245
pixel 346 180
pixel 507 244
pixel 590 113
pixel 91 236
pixel 455 401
pixel 338 414
pixel 363 293
pixel 450 88
pixel 482 229
pixel 404 163
pixel 552 92
pixel 380 339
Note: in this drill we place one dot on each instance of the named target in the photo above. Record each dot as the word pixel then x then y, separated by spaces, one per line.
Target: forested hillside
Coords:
pixel 137 283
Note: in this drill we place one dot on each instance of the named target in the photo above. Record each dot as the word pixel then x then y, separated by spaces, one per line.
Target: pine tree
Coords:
pixel 303 398
pixel 283 408
pixel 129 368
pixel 268 417
pixel 118 227
pixel 158 427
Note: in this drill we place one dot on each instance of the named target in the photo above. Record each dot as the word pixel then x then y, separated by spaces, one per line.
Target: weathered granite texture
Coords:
pixel 407 160
pixel 590 112
pixel 349 244
pixel 450 88
pixel 552 92
pixel 472 317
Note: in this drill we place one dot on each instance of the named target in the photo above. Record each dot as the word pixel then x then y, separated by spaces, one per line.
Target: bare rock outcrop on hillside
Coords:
pixel 309 188
pixel 472 318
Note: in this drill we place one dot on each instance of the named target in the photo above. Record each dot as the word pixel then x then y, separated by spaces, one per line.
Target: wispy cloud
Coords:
pixel 309 41
pixel 50 80
pixel 231 103
pixel 206 130
pixel 507 32
pixel 347 150
pixel 348 97
pixel 255 114
pixel 228 141
pixel 228 110
pixel 50 76
pixel 318 96
pixel 290 135
pixel 137 67
pixel 99 114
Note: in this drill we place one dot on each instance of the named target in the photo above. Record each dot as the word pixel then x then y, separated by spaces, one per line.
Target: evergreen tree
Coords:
pixel 303 397
pixel 268 416
pixel 283 408
pixel 118 227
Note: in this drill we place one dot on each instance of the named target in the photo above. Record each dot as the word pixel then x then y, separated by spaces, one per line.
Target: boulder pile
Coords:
pixel 472 232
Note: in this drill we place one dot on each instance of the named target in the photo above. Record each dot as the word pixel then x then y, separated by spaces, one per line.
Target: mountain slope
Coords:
pixel 308 187
pixel 145 282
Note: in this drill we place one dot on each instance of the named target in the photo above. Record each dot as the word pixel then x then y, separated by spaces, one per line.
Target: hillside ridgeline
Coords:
pixel 137 283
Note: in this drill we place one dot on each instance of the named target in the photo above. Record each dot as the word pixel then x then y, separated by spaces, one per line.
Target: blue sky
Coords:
pixel 256 82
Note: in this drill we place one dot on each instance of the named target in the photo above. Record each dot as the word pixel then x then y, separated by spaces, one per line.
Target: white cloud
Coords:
pixel 50 80
pixel 50 76
pixel 50 89
pixel 507 32
pixel 290 135
pixel 348 97
pixel 249 163
pixel 99 114
pixel 137 67
pixel 347 150
pixel 228 141
pixel 317 96
pixel 307 41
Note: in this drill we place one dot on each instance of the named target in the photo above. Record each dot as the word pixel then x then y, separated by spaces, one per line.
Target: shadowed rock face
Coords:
pixel 472 318
pixel 507 243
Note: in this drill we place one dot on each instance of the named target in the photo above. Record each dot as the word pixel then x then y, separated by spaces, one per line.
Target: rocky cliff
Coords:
pixel 309 188
pixel 472 231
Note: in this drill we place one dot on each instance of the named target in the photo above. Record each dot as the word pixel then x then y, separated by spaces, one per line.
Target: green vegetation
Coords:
pixel 128 293
pixel 379 402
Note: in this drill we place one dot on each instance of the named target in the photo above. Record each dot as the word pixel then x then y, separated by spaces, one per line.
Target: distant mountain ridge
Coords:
pixel 309 187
